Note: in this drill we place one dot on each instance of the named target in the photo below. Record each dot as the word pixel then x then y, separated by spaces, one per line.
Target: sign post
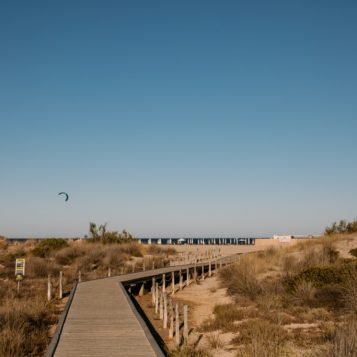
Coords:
pixel 19 272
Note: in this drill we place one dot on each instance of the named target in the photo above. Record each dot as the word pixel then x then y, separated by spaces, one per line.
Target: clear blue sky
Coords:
pixel 214 118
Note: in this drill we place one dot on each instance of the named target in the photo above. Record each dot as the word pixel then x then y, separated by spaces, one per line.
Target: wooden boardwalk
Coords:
pixel 102 321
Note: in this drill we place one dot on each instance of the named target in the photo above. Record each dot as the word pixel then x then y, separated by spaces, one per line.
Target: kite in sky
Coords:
pixel 65 194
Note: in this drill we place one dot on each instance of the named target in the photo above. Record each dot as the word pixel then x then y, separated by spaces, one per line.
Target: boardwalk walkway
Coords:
pixel 102 321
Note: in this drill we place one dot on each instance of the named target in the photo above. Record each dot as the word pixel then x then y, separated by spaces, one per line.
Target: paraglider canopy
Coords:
pixel 65 194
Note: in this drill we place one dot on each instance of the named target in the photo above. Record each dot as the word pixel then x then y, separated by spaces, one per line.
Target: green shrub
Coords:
pixel 331 296
pixel 46 246
pixel 342 227
pixel 319 276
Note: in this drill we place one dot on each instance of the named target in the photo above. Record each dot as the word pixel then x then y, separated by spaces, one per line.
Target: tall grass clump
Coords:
pixel 261 338
pixel 240 279
pixel 344 342
pixel 24 327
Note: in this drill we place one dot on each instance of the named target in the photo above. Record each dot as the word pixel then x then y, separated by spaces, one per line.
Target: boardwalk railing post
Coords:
pixel 185 324
pixel 157 298
pixel 209 269
pixel 79 276
pixel 49 294
pixel 109 272
pixel 60 293
pixel 163 283
pixel 171 329
pixel 153 286
pixel 165 311
pixel 203 272
pixel 181 281
pixel 172 283
pixel 177 326
pixel 195 273
pixel 188 277
pixel 161 305
pixel 142 289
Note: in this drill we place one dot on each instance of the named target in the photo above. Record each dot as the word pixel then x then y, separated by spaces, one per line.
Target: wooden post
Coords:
pixel 171 329
pixel 157 298
pixel 141 291
pixel 163 283
pixel 60 293
pixel 122 270
pixel 203 272
pixel 173 283
pixel 109 272
pixel 161 305
pixel 153 286
pixel 195 272
pixel 18 287
pixel 209 269
pixel 188 277
pixel 185 324
pixel 165 311
pixel 177 326
pixel 49 293
pixel 153 264
pixel 79 276
pixel 181 281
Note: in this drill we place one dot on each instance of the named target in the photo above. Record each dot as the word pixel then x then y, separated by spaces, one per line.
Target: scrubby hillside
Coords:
pixel 295 301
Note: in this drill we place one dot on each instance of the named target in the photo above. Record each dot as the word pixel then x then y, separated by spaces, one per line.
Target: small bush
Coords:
pixel 225 317
pixel 133 248
pixel 40 268
pixel 46 246
pixel 342 227
pixel 67 255
pixel 239 279
pixel 331 296
pixel 261 338
pixel 319 276
pixel 304 293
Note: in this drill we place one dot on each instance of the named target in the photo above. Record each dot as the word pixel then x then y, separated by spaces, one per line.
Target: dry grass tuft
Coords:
pixel 24 327
pixel 214 340
pixel 240 279
pixel 261 338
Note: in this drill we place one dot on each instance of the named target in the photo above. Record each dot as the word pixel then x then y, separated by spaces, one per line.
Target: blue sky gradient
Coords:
pixel 190 118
